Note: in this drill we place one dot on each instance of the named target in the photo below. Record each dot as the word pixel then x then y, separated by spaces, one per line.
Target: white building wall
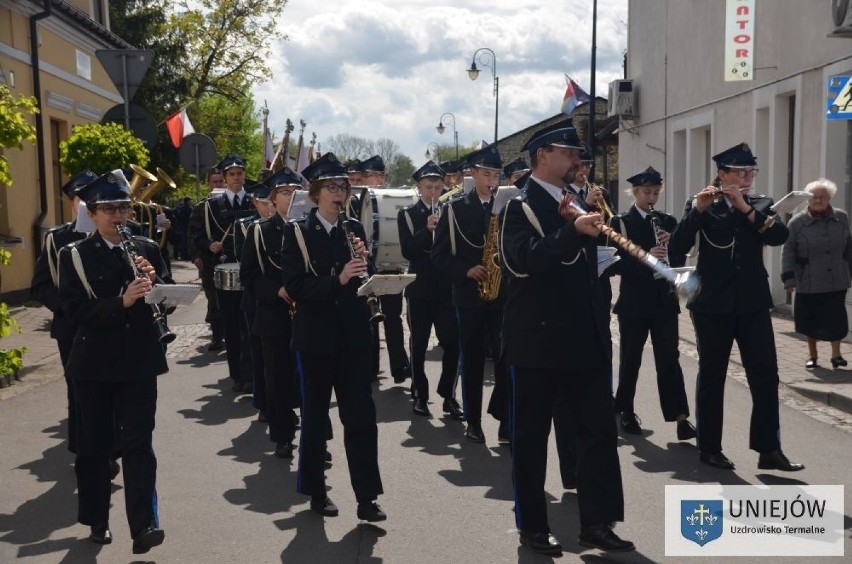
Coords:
pixel 687 112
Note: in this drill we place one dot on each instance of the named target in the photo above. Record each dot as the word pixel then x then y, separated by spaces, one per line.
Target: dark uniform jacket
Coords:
pixel 330 318
pixel 44 287
pixel 639 293
pixel 415 241
pixel 261 275
pixel 554 315
pixel 218 213
pixel 469 227
pixel 730 255
pixel 243 229
pixel 111 342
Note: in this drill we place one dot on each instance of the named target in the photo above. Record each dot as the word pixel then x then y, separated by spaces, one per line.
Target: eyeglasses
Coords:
pixel 742 173
pixel 110 209
pixel 336 187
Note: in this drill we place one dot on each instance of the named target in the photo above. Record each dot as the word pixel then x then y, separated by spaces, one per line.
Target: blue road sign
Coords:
pixel 839 100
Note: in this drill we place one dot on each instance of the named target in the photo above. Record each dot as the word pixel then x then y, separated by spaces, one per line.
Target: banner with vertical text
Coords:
pixel 739 40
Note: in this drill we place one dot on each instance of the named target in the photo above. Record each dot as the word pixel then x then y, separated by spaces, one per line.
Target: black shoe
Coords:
pixel 474 433
pixel 503 436
pixel 685 430
pixel 114 468
pixel 811 364
pixel 148 539
pixel 421 408
pixel 100 534
pixel 216 346
pixel 371 512
pixel 631 424
pixel 543 543
pixel 838 361
pixel 717 460
pixel 284 450
pixel 401 375
pixel 603 538
pixel 324 506
pixel 453 409
pixel 776 460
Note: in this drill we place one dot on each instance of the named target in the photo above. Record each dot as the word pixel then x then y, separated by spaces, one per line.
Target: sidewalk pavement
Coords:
pixel 823 385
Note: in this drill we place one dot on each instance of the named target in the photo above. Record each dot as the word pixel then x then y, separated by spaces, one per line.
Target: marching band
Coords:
pixel 519 283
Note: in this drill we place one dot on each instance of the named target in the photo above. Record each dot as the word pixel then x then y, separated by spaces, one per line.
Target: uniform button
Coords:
pixel 127 325
pixel 543 323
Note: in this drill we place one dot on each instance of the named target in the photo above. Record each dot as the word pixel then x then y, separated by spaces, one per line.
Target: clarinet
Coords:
pixel 164 335
pixel 373 303
pixel 655 223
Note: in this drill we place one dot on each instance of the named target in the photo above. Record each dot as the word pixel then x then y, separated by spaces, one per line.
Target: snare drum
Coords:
pixel 227 276
pixel 387 251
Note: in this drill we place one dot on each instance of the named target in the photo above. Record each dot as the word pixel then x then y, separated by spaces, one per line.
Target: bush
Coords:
pixel 101 148
pixel 14 127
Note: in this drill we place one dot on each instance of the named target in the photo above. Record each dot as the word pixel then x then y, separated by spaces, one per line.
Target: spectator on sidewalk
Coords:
pixel 816 263
pixel 182 214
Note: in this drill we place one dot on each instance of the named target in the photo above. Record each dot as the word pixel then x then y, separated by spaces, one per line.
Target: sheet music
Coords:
pixel 171 295
pixel 382 284
pixel 791 201
pixel 502 197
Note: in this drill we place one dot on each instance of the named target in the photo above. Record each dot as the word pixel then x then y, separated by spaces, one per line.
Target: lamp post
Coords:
pixel 432 150
pixel 441 129
pixel 487 59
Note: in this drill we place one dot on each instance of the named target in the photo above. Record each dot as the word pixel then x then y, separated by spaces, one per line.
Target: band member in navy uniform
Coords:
pixel 215 240
pixel 429 297
pixel 648 305
pixel 515 170
pixel 373 175
pixel 205 261
pixel 322 271
pixel 114 362
pixel 251 342
pixel 45 289
pixel 554 339
pixel 457 252
pixel 260 272
pixel 734 304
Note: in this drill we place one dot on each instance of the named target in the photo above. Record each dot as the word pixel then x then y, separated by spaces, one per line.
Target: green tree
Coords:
pixel 101 148
pixel 15 127
pixel 400 170
pixel 234 125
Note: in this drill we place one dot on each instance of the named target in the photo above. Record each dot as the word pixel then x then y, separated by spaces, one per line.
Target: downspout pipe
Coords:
pixel 39 125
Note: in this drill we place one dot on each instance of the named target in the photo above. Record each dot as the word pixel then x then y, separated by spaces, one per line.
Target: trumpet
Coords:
pixel 373 303
pixel 164 335
pixel 451 193
pixel 605 210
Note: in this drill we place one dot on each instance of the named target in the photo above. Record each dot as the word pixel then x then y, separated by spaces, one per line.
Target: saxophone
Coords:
pixel 490 289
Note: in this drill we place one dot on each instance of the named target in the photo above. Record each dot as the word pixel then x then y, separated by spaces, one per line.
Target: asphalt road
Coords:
pixel 224 497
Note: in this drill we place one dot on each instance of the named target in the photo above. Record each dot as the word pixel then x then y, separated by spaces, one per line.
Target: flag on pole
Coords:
pixel 268 150
pixel 483 143
pixel 574 96
pixel 179 127
pixel 303 161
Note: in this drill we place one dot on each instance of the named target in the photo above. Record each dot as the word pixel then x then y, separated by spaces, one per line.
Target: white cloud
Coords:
pixel 390 69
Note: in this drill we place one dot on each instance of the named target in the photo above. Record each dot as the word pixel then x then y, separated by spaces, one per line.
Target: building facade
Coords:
pixel 47 50
pixel 684 110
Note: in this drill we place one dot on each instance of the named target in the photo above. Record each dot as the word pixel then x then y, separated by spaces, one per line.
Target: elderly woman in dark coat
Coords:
pixel 816 263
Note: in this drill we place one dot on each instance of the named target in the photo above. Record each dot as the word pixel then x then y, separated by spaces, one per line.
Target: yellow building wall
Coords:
pixel 63 101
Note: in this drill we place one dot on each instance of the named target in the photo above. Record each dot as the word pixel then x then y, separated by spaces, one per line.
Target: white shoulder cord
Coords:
pixel 408 222
pixel 258 241
pixel 300 238
pixel 455 223
pixel 81 272
pixel 49 248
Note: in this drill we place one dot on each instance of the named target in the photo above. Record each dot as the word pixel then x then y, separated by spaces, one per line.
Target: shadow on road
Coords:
pixel 311 543
pixel 221 407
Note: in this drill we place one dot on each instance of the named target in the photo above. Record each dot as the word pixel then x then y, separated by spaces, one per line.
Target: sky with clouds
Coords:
pixel 392 68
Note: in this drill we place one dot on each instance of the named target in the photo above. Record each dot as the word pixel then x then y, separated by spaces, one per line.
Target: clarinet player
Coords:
pixel 103 295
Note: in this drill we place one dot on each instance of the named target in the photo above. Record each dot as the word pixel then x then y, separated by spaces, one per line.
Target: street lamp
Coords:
pixel 487 59
pixel 432 149
pixel 441 129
